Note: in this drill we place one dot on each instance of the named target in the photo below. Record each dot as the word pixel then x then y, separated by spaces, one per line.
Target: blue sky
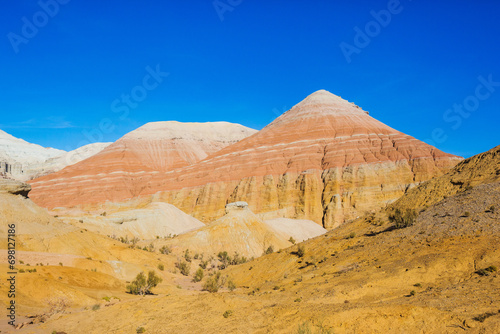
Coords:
pixel 242 61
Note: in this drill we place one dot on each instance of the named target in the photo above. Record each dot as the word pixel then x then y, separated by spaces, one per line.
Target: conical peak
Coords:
pixel 321 103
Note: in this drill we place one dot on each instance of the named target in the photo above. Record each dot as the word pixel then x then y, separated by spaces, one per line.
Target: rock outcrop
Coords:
pixel 325 160
pixel 14 187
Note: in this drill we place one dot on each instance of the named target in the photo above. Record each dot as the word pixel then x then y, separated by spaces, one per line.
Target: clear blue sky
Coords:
pixel 260 60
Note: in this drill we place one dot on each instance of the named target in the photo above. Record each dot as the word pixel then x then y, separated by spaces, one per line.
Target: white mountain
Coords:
pixel 23 161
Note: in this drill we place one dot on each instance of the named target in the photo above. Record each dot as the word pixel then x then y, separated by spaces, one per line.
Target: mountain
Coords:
pixel 24 161
pixel 67 159
pixel 325 160
pixel 122 169
pixel 17 155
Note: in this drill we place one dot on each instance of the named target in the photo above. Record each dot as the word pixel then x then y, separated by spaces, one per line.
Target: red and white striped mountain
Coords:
pixel 325 159
pixel 119 171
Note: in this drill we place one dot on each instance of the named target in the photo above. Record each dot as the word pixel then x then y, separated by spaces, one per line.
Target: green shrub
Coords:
pixel 184 267
pixel 140 330
pixel 403 219
pixel 212 283
pixel 198 276
pixel 96 307
pixel 227 314
pixel 141 285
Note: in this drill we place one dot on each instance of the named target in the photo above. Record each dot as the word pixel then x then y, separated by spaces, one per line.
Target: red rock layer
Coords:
pixel 325 159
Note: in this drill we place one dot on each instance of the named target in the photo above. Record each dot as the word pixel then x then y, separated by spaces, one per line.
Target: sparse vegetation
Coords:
pixel 227 314
pixel 187 256
pixel 301 251
pixel 269 250
pixel 491 209
pixel 418 285
pixel 96 307
pixel 486 271
pixel 292 240
pixel 198 276
pixel 212 284
pixel 165 250
pixel 466 214
pixel 403 219
pixel 230 285
pixel 140 330
pixel 203 264
pixel 351 235
pixel 161 267
pixel 413 293
pixel 142 285
pixel 184 267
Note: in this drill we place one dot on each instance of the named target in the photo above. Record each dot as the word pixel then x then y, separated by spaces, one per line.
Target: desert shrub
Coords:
pixel 21 262
pixel 60 263
pixel 196 256
pixel 304 328
pixel 203 264
pixel 161 267
pixel 134 241
pixel 212 283
pixel 403 219
pixel 187 256
pixel 413 293
pixel 269 250
pixel 151 247
pixel 466 214
pixel 140 330
pixel 108 299
pixel 227 314
pixel 351 235
pixel 198 276
pixel 21 270
pixel 224 260
pixel 301 251
pixel 486 271
pixel 230 285
pixel 237 259
pixel 142 285
pixel 96 307
pixel 184 267
pixel 292 240
pixel 491 209
pixel 165 250
pixel 418 285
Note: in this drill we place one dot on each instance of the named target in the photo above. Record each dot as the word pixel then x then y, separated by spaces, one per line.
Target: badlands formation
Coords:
pixel 436 275
pixel 324 160
pixel 24 161
pixel 123 169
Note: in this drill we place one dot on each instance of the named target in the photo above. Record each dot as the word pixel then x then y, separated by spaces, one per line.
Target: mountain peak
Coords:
pixel 319 104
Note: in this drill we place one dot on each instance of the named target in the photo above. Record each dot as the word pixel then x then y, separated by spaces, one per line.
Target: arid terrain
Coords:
pixel 383 235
